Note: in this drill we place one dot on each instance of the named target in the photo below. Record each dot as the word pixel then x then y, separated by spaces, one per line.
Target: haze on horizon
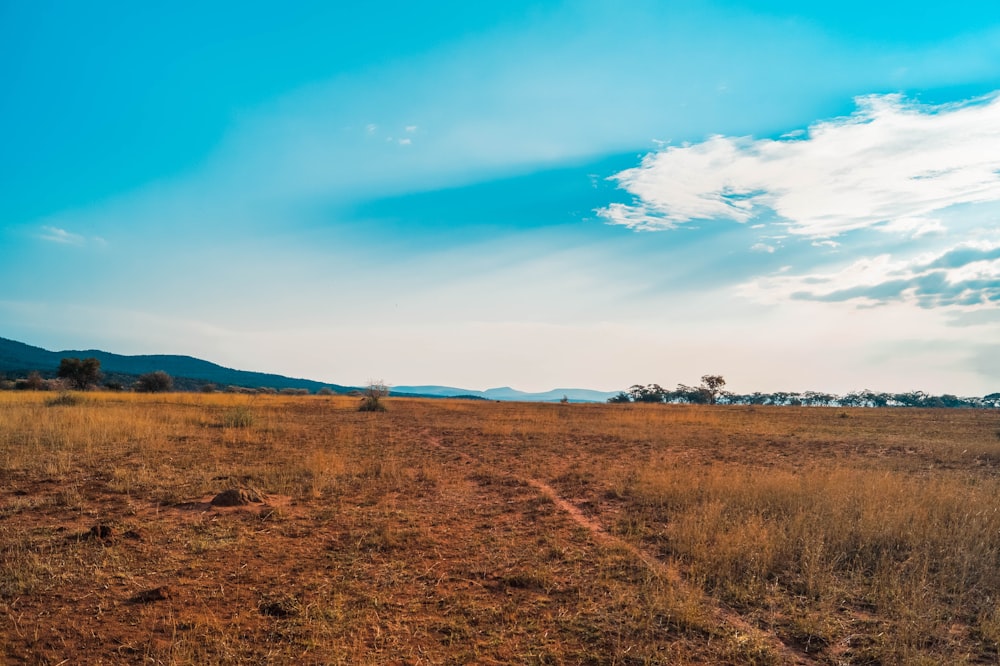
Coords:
pixel 527 194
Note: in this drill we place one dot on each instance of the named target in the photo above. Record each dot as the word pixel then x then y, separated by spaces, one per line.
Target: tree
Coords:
pixel 711 387
pixel 80 373
pixel 33 382
pixel 621 398
pixel 647 393
pixel 154 382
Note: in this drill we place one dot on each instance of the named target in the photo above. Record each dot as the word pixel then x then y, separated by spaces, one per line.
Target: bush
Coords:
pixel 326 390
pixel 64 399
pixel 371 397
pixel 241 416
pixel 154 382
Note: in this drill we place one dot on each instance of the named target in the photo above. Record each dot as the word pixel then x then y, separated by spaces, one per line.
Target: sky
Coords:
pixel 532 194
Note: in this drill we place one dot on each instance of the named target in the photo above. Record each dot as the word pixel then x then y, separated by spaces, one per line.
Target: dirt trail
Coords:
pixel 668 571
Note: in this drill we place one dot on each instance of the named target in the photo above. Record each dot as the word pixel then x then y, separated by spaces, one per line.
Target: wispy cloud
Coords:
pixel 57 235
pixel 892 165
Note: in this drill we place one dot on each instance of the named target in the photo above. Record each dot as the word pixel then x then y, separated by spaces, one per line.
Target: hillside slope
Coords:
pixel 20 358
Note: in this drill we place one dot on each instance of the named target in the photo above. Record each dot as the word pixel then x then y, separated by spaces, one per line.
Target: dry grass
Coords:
pixel 477 532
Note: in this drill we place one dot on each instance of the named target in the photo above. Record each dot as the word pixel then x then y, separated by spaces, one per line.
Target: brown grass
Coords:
pixel 476 532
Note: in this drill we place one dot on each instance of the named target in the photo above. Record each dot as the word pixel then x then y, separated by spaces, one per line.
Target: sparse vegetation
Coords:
pixel 482 532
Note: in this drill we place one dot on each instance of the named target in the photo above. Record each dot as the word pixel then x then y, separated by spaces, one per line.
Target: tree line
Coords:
pixel 712 391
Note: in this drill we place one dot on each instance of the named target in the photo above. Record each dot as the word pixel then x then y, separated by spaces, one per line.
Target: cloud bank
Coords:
pixel 965 275
pixel 894 164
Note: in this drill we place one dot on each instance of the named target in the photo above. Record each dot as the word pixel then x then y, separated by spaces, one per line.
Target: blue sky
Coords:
pixel 534 194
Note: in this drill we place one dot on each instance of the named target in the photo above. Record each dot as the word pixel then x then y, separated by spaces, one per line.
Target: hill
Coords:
pixel 18 358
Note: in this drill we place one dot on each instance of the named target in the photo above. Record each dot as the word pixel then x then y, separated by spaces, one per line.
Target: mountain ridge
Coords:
pixel 21 357
pixel 507 393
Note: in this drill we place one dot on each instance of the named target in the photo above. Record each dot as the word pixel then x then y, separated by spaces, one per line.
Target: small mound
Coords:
pixel 102 532
pixel 237 497
pixel 149 596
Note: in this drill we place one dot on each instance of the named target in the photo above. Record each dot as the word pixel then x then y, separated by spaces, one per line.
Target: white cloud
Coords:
pixel 914 227
pixel 893 164
pixel 405 142
pixel 762 247
pixel 57 235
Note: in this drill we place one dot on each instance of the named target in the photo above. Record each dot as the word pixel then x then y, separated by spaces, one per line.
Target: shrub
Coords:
pixel 326 390
pixel 241 416
pixel 154 382
pixel 64 399
pixel 371 397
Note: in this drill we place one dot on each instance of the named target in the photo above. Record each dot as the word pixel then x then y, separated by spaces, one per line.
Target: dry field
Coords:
pixel 493 533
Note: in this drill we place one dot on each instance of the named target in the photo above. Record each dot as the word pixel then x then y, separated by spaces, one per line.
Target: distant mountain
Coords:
pixel 17 358
pixel 507 393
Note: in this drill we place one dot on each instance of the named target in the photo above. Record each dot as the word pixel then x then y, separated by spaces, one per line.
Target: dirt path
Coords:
pixel 668 571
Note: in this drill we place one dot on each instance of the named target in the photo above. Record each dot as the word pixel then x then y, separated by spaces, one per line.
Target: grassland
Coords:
pixel 476 532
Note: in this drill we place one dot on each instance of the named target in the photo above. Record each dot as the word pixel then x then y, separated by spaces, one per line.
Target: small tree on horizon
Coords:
pixel 712 386
pixel 371 397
